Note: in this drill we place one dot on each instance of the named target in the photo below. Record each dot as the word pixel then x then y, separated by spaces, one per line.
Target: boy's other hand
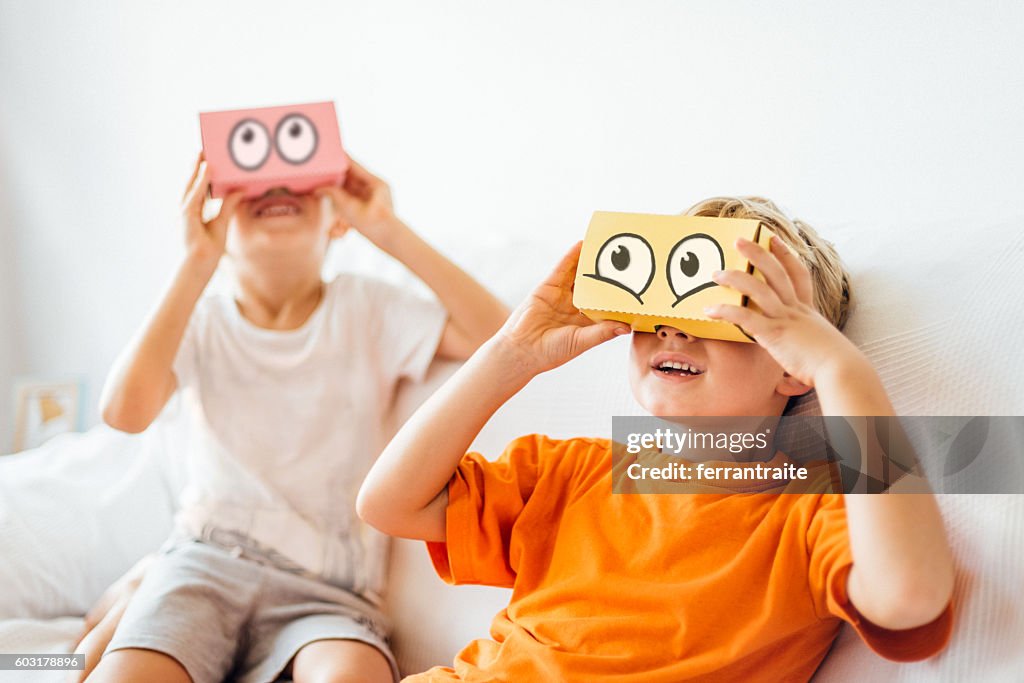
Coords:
pixel 787 325
pixel 546 330
pixel 204 241
pixel 363 202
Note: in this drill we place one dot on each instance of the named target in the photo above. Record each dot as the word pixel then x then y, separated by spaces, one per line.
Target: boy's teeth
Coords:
pixel 675 365
pixel 280 210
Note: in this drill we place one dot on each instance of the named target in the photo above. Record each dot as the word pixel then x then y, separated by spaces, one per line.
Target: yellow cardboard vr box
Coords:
pixel 648 270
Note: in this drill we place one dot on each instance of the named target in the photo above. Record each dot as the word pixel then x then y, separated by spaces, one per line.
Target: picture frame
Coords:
pixel 44 409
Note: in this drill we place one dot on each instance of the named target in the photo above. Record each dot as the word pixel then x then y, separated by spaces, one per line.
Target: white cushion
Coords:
pixel 79 511
pixel 38 636
pixel 79 501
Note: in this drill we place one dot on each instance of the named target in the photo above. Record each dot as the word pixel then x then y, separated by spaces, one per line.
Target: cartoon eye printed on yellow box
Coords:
pixel 648 270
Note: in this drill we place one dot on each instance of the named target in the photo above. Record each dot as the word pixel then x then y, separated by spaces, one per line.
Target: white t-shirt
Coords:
pixel 286 424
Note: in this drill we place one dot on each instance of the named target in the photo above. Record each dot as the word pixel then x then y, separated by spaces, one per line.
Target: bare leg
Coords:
pixel 96 640
pixel 103 618
pixel 125 585
pixel 340 661
pixel 131 665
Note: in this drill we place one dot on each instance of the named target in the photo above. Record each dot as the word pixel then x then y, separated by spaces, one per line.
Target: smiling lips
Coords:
pixel 277 205
pixel 676 365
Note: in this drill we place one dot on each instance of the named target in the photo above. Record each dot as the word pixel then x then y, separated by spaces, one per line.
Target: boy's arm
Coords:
pixel 405 494
pixel 902 574
pixel 142 379
pixel 474 313
pixel 364 202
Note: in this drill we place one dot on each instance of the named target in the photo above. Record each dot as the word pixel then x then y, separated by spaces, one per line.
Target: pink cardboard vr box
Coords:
pixel 297 147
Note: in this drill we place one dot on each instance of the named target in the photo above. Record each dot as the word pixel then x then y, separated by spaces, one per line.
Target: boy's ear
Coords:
pixel 791 386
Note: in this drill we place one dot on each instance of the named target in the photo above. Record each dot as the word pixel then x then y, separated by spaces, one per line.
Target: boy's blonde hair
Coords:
pixel 829 276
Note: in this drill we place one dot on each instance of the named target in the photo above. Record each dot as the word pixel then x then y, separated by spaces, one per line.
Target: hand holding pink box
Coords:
pixel 296 146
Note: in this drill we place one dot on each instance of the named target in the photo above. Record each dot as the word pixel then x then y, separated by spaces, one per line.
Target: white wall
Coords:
pixel 10 357
pixel 498 124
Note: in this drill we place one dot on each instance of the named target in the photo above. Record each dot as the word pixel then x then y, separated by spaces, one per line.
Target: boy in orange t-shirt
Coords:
pixel 664 588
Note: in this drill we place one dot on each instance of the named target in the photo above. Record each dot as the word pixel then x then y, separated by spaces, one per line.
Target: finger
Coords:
pixel 598 333
pixel 197 193
pixel 759 292
pixel 749 321
pixel 770 267
pixel 332 192
pixel 356 175
pixel 799 275
pixel 365 185
pixel 565 272
pixel 227 210
pixel 327 191
pixel 341 199
pixel 361 170
pixel 356 182
pixel 195 172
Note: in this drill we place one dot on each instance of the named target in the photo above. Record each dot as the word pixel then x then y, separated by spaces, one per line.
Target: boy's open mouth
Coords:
pixel 278 210
pixel 277 205
pixel 675 365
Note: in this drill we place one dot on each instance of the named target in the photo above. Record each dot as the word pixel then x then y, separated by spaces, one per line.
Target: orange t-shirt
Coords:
pixel 659 588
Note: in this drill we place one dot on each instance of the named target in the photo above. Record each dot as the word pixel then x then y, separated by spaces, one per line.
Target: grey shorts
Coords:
pixel 232 615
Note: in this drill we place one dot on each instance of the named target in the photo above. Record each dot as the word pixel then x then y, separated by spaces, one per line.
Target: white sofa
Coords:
pixel 937 309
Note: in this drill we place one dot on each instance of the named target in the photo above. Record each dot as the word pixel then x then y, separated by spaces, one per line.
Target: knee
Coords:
pixel 350 675
pixel 341 661
pixel 343 677
pixel 132 665
pixel 347 673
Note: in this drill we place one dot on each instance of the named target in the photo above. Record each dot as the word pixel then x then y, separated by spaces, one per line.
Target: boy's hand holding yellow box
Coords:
pixel 648 270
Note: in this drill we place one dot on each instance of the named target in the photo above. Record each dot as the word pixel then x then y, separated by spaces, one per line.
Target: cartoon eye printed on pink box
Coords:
pixel 297 147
